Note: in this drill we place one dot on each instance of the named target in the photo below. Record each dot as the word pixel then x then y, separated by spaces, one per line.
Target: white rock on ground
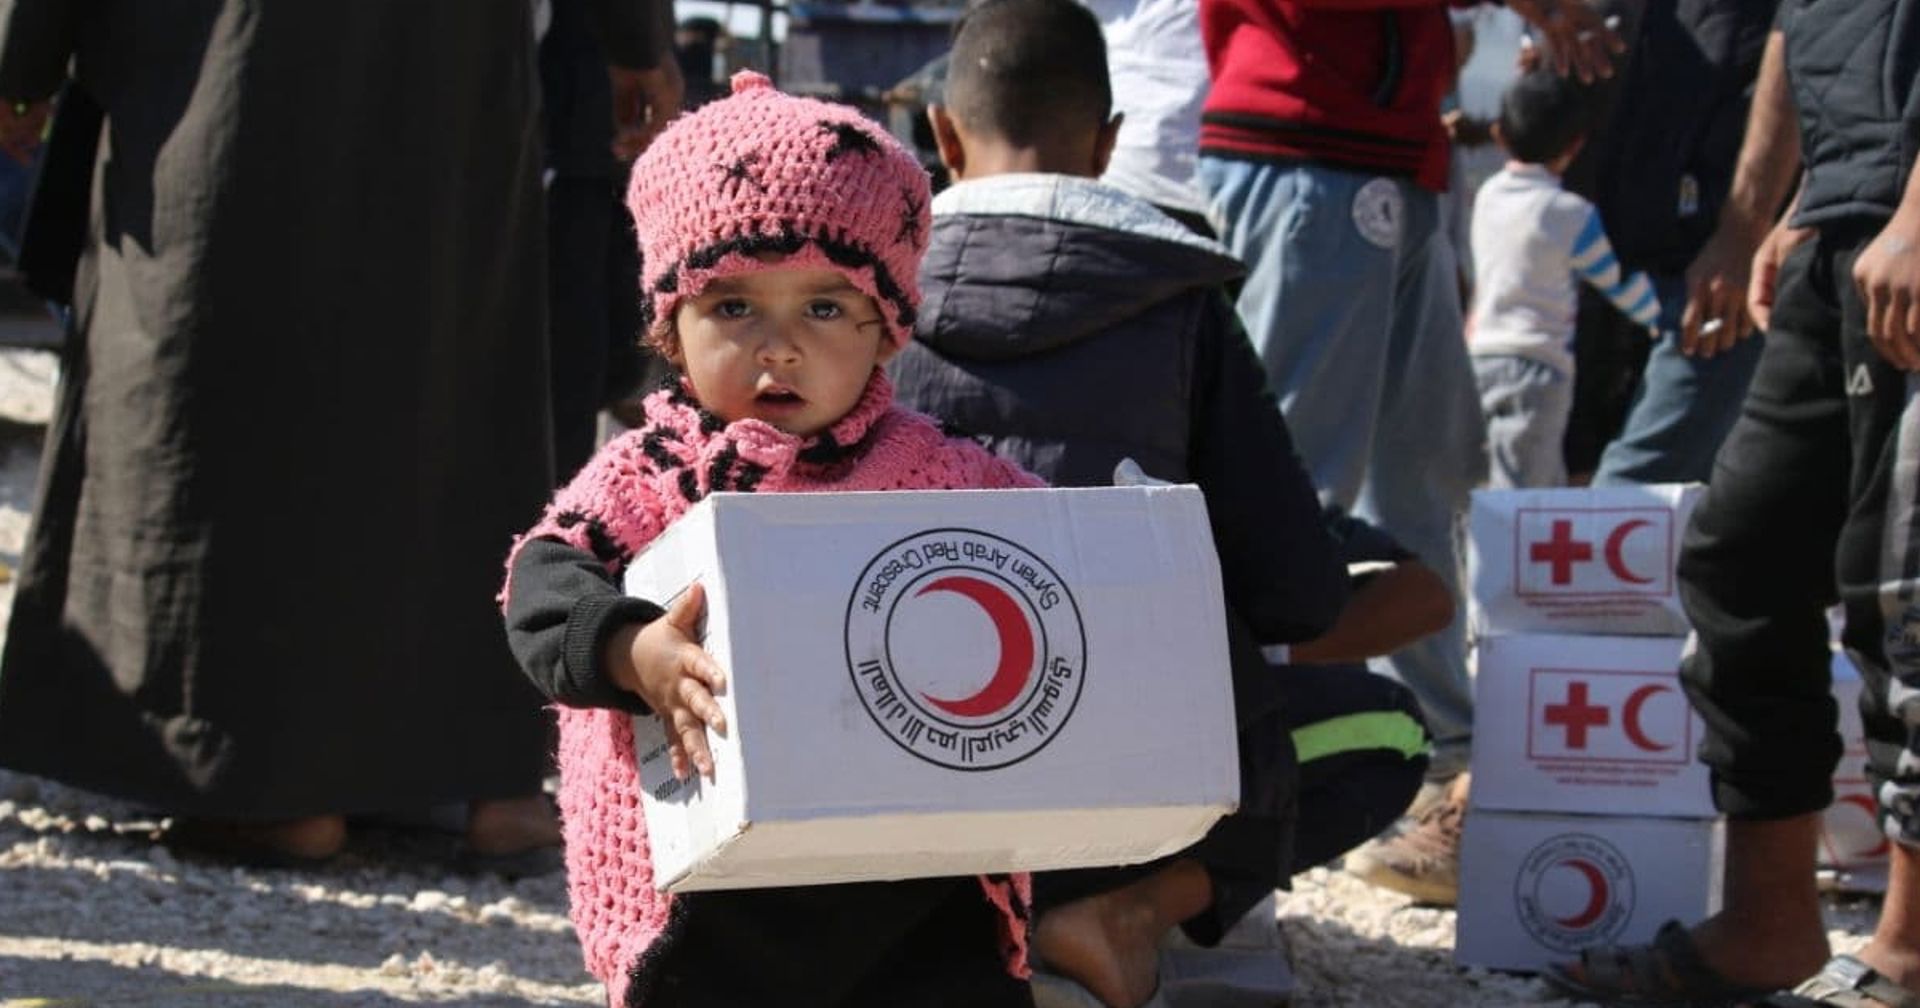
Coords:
pixel 93 913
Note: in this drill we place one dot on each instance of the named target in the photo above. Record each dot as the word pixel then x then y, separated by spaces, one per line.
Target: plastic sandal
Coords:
pixel 1669 973
pixel 1846 982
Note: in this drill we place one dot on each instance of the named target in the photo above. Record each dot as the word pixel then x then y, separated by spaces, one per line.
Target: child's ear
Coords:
pixel 665 342
pixel 1499 135
pixel 1103 144
pixel 946 139
pixel 889 348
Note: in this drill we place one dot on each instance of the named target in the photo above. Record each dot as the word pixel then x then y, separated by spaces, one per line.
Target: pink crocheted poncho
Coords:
pixel 625 497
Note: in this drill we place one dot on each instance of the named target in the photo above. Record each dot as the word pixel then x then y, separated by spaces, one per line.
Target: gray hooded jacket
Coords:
pixel 1067 325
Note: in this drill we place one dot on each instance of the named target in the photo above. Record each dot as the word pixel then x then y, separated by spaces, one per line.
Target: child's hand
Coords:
pixel 663 662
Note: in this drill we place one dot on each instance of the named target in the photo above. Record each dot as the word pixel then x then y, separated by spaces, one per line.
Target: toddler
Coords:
pixel 781 239
pixel 1530 239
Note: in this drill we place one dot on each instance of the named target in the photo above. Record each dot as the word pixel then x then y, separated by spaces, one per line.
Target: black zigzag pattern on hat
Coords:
pixel 784 243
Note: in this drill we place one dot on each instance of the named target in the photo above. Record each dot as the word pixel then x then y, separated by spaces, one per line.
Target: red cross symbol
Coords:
pixel 1577 715
pixel 1562 551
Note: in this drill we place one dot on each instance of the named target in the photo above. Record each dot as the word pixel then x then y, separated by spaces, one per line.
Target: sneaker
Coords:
pixel 1423 859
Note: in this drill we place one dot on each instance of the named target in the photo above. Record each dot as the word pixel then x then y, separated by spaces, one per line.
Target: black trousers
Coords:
pixel 925 943
pixel 593 304
pixel 1812 499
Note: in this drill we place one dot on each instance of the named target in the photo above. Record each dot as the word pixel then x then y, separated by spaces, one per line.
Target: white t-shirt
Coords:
pixel 1159 72
pixel 1531 240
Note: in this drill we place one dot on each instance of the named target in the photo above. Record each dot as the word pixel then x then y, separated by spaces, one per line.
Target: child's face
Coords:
pixel 791 347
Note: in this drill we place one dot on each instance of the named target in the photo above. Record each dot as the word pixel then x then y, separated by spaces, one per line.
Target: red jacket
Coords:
pixel 1351 83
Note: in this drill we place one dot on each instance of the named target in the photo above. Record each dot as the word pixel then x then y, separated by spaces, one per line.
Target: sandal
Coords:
pixel 1846 982
pixel 1668 973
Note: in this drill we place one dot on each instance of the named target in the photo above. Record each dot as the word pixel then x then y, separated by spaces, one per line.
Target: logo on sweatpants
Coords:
pixel 1378 209
pixel 965 648
pixel 1861 382
pixel 1593 552
pixel 1574 891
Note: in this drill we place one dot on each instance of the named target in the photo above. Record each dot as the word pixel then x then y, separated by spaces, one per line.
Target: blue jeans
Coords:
pixel 16 185
pixel 1352 301
pixel 1683 407
pixel 1526 404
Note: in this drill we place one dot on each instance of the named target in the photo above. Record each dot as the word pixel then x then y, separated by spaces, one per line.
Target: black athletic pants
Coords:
pixel 1812 499
pixel 924 943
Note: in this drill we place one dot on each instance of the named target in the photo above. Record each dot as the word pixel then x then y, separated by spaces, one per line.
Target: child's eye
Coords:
pixel 824 310
pixel 731 308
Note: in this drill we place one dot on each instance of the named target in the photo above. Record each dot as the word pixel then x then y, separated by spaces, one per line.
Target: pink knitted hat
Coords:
pixel 761 171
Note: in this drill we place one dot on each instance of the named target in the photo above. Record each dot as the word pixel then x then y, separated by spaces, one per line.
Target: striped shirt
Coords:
pixel 1531 240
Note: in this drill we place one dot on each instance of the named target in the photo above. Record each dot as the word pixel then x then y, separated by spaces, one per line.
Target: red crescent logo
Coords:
pixel 1016 647
pixel 1616 562
pixel 1630 716
pixel 1866 804
pixel 1597 895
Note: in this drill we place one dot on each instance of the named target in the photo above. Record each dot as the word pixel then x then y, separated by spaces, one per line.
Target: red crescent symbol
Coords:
pixel 1866 804
pixel 1618 563
pixel 1016 647
pixel 1597 893
pixel 1630 718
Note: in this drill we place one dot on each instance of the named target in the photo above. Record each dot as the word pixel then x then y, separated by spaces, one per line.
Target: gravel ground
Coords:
pixel 92 912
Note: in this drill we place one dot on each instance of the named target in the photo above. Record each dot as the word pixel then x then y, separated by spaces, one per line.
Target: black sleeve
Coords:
pixel 1361 541
pixel 561 608
pixel 634 33
pixel 37 41
pixel 1280 565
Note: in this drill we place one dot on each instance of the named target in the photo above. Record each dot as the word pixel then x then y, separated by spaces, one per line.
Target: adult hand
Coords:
pixel 664 664
pixel 21 127
pixel 1716 315
pixel 644 101
pixel 1465 131
pixel 1766 270
pixel 1578 39
pixel 1888 275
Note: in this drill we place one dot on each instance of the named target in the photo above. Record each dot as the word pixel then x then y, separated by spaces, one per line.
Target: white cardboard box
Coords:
pixel 1536 889
pixel 945 683
pixel 1593 725
pixel 1851 843
pixel 1578 561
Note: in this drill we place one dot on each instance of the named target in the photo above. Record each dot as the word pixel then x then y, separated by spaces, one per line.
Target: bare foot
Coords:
pixel 1109 943
pixel 1900 965
pixel 285 841
pixel 512 825
pixel 1894 952
pixel 1769 933
pixel 1754 950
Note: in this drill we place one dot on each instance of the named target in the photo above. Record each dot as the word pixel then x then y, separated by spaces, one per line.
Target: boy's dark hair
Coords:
pixel 1022 67
pixel 1542 115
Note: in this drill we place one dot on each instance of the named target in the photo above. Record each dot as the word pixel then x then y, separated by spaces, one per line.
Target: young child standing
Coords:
pixel 1530 239
pixel 781 239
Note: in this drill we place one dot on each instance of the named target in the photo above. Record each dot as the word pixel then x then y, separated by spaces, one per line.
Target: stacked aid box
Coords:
pixel 1591 820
